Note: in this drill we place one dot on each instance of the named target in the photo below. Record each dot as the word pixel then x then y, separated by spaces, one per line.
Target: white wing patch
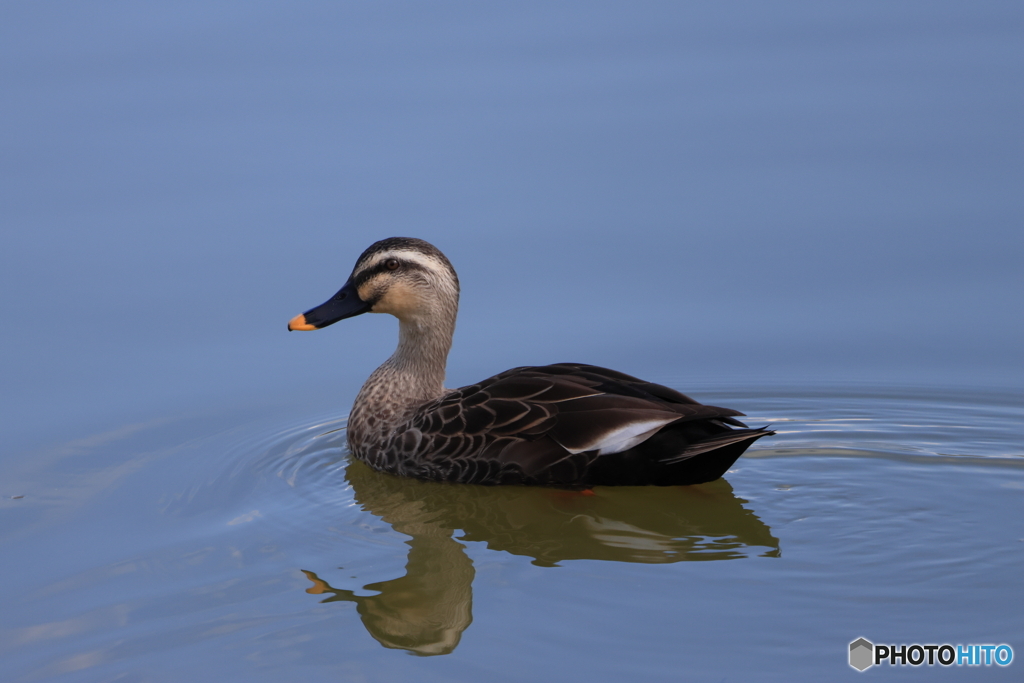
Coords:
pixel 625 437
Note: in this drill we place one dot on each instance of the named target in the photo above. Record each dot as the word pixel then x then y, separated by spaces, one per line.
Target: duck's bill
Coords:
pixel 345 304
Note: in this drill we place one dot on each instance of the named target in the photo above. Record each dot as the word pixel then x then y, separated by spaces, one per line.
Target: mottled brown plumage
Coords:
pixel 566 424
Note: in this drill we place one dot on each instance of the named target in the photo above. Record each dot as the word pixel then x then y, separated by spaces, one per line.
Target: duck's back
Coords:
pixel 564 425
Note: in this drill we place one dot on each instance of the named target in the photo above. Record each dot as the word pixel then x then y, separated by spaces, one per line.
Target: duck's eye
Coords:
pixel 391 264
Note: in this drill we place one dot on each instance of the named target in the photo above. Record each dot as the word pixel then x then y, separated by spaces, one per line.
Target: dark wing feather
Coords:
pixel 565 424
pixel 715 442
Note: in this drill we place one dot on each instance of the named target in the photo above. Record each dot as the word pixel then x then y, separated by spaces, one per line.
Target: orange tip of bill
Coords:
pixel 299 323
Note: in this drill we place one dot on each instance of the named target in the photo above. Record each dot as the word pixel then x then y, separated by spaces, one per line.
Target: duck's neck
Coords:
pixel 420 359
pixel 415 372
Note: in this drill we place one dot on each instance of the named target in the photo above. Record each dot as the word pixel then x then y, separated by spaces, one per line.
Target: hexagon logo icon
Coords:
pixel 862 654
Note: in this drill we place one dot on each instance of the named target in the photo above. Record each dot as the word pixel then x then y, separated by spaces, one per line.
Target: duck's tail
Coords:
pixel 719 441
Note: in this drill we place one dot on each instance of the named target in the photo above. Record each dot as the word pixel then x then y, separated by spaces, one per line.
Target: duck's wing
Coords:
pixel 547 424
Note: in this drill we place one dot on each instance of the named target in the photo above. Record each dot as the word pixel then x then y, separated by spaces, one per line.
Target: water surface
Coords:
pixel 261 552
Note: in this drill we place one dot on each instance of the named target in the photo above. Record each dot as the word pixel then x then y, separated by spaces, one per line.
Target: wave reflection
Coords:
pixel 426 610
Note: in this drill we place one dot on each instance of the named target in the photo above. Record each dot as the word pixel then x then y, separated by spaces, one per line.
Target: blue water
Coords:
pixel 809 213
pixel 183 548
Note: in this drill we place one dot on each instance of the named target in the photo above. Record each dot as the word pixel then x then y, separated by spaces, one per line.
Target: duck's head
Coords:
pixel 404 276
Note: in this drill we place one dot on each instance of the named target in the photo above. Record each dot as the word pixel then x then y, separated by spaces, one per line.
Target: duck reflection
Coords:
pixel 426 611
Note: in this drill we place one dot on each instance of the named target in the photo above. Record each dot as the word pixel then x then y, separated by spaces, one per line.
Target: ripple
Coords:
pixel 309 457
pixel 900 423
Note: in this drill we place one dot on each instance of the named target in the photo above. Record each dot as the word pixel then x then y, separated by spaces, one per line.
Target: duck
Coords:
pixel 565 425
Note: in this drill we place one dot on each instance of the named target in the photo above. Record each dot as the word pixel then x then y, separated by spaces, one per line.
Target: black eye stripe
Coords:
pixel 382 267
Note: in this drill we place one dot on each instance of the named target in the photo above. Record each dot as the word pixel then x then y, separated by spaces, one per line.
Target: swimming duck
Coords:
pixel 565 425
